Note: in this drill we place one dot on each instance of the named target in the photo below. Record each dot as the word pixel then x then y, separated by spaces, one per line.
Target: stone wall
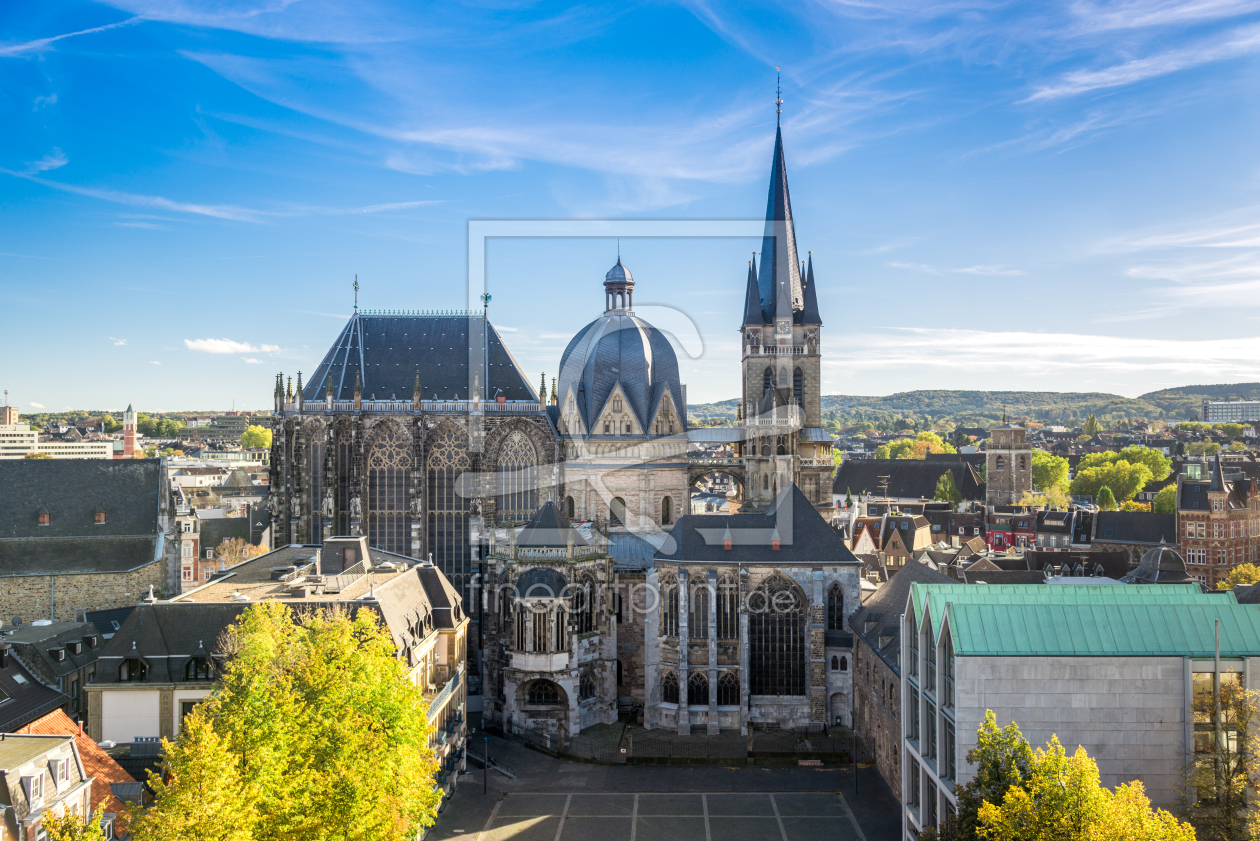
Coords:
pixel 63 598
pixel 1129 713
pixel 877 712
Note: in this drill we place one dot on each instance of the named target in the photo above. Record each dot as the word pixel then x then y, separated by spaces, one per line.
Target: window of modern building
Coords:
pixel 948 747
pixel 912 715
pixel 929 722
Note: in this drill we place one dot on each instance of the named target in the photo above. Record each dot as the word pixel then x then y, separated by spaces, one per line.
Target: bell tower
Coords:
pixel 781 403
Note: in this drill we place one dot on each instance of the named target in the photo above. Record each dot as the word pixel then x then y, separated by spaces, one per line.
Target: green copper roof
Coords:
pixel 1072 619
pixel 1083 593
pixel 1136 630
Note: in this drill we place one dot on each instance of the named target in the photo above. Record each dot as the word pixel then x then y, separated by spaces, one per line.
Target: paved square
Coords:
pixel 668 816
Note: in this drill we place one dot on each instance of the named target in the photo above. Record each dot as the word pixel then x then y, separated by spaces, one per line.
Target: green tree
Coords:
pixel 848 498
pixel 1159 464
pixel 37 455
pixel 144 425
pixel 1123 479
pixel 167 428
pixel 960 439
pixel 256 436
pixel 1237 447
pixel 315 732
pixel 110 424
pixel 1106 499
pixel 1166 500
pixel 1203 448
pixel 1091 425
pixel 947 490
pixel 1048 471
pixel 68 826
pixel 1240 576
pixel 1233 430
pixel 1220 774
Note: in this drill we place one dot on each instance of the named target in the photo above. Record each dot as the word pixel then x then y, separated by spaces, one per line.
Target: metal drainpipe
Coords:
pixel 52 601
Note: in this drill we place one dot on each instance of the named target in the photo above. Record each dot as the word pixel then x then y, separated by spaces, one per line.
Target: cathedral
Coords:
pixel 565 522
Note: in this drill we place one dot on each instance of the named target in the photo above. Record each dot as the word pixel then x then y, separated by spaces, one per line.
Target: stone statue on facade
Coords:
pixel 273 506
pixel 417 504
pixel 356 508
pixel 326 507
pixel 474 507
pixel 295 506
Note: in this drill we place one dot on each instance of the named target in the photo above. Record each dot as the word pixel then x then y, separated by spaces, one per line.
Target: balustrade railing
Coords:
pixel 437 407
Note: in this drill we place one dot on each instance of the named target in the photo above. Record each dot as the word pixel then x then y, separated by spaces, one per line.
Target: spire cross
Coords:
pixel 778 96
pixel 356 293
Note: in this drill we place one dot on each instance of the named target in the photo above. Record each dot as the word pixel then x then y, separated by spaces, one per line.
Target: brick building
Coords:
pixel 1218 522
pixel 877 671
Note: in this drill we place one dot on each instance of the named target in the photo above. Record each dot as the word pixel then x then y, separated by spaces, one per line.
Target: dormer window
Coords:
pixel 43 518
pixel 76 648
pixel 59 654
pixel 91 641
pixel 198 668
pixel 34 788
pixel 100 517
pixel 132 669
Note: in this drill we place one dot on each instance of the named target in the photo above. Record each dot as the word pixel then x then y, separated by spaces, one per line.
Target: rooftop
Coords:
pixel 16 751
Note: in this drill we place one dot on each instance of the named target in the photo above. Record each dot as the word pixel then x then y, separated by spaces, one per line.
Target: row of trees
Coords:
pixel 917 447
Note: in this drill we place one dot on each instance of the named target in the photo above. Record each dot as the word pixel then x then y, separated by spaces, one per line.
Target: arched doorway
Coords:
pixel 838 709
pixel 542 706
pixel 617 512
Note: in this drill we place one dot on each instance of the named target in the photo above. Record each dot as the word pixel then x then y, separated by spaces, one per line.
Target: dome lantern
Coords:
pixel 618 289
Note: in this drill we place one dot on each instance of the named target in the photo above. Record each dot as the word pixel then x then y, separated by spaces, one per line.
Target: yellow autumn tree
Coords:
pixel 1063 798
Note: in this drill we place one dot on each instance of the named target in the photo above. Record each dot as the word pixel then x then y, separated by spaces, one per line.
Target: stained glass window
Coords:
pixel 669 688
pixel 518 493
pixel 698 613
pixel 728 690
pixel 698 690
pixel 835 607
pixel 776 626
pixel 388 465
pixel 669 607
pixel 727 608
pixel 448 510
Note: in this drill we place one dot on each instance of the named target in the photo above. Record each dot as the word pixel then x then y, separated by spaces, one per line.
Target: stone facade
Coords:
pixel 1008 465
pixel 65 598
pixel 877 711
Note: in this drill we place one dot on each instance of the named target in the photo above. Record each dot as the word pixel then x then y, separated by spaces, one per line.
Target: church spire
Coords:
pixel 752 299
pixel 779 281
pixel 809 315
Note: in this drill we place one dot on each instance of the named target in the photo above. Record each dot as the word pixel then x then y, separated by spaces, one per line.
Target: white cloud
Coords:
pixel 45 101
pixel 155 362
pixel 1138 14
pixel 251 360
pixel 239 214
pixel 34 405
pixel 40 45
pixel 53 160
pixel 227 346
pixel 978 270
pixel 117 342
pixel 1238 42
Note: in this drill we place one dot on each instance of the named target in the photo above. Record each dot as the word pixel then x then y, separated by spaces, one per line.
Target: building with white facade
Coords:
pixel 17 440
pixel 1231 411
pixel 1114 669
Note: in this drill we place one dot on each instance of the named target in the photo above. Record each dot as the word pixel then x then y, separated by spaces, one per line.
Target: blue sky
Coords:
pixel 996 195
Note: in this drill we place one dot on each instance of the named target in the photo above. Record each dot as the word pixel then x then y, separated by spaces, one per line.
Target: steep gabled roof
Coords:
pixel 549 528
pixel 752 298
pixel 882 611
pixel 809 315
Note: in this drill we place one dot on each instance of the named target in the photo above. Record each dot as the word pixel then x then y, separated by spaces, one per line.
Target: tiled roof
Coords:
pixel 23 697
pixel 1135 527
pixel 907 478
pixel 97 764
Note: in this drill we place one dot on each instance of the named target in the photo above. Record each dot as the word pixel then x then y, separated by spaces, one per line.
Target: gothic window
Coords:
pixel 698 690
pixel 669 688
pixel 538 637
pixel 798 386
pixel 776 630
pixel 728 690
pixel 586 687
pixel 584 604
pixel 617 512
pixel 765 477
pixel 844 664
pixel 521 621
pixel 517 480
pixel 698 611
pixel 345 480
pixel 767 380
pixel 782 445
pixel 669 607
pixel 448 510
pixel 835 663
pixel 562 632
pixel 388 464
pixel 727 611
pixel 835 608
pixel 616 404
pixel 765 446
pixel 315 484
pixel 667 511
pixel 569 507
pixel 543 693
pixel 619 673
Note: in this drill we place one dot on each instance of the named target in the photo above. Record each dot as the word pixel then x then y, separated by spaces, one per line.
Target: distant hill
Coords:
pixel 1168 404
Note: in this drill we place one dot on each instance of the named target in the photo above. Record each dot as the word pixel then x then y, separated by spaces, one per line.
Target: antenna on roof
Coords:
pixel 356 293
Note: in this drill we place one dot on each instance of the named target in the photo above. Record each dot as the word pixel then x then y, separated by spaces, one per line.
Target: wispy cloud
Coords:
pixel 227 346
pixel 155 362
pixel 1141 14
pixel 45 101
pixel 118 342
pixel 996 271
pixel 251 360
pixel 40 45
pixel 1238 42
pixel 217 211
pixel 53 160
pixel 35 405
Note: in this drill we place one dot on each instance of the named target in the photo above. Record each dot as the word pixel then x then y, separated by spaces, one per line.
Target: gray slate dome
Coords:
pixel 619 347
pixel 1161 565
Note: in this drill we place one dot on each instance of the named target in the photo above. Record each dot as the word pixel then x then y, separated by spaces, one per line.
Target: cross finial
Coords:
pixel 778 96
pixel 356 293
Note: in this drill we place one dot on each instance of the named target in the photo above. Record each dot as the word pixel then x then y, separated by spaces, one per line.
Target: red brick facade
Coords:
pixel 1218 524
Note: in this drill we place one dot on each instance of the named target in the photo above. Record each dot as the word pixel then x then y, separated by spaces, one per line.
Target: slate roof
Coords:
pixel 1135 527
pixel 36 644
pixel 1004 576
pixel 781 290
pixel 71 492
pixel 1161 565
pixel 805 537
pixel 620 349
pixel 22 697
pixel 214 531
pixel 882 612
pixel 388 350
pixel 549 528
pixel 907 477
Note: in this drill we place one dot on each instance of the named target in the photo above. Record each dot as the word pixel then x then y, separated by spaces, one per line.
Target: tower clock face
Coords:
pixel 782 328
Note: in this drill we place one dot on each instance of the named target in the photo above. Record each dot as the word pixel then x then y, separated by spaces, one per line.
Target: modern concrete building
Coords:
pixel 18 440
pixel 1113 669
pixel 1231 411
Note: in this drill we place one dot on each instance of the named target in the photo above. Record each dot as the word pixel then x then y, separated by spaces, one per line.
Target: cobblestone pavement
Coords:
pixel 554 799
